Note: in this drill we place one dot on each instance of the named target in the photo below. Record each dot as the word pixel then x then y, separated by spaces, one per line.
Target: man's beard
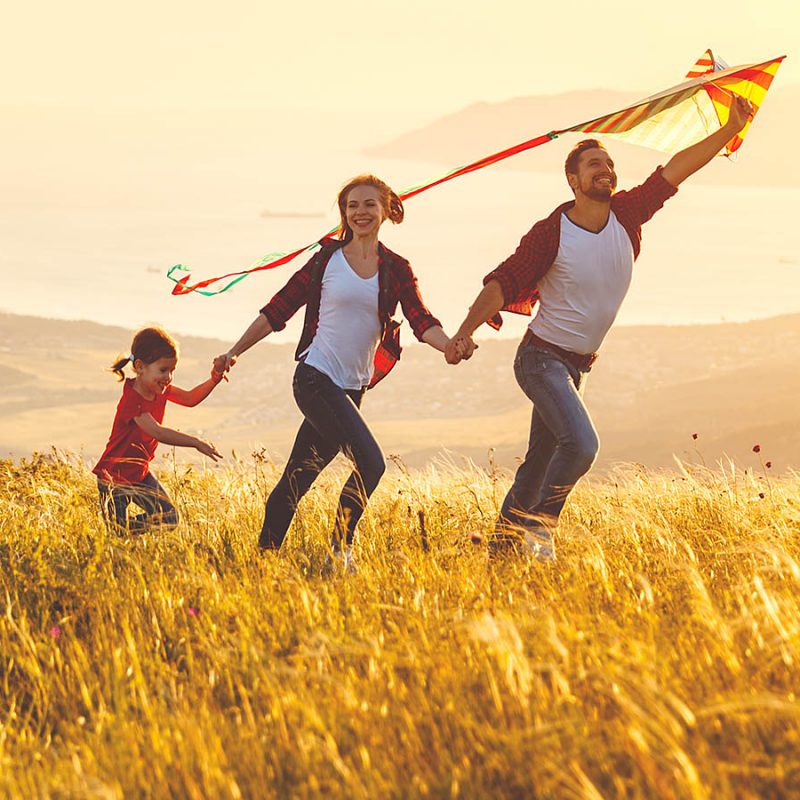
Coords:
pixel 600 193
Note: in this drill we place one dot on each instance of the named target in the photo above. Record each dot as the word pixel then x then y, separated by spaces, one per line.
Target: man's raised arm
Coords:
pixel 688 161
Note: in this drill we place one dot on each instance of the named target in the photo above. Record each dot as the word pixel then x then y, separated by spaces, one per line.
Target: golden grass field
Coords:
pixel 658 658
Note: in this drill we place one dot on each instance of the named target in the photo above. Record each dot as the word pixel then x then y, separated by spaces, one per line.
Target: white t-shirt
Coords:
pixel 581 293
pixel 349 328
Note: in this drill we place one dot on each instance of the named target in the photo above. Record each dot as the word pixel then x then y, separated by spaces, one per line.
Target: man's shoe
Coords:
pixel 503 544
pixel 540 545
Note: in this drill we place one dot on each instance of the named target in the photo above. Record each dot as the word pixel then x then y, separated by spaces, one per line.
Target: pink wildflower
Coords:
pixel 756 448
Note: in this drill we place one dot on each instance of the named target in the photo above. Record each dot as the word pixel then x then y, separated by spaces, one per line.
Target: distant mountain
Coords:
pixel 485 128
pixel 653 387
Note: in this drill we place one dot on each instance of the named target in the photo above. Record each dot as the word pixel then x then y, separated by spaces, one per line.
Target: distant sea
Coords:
pixel 93 246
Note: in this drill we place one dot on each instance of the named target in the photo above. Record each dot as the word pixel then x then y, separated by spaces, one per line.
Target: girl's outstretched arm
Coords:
pixel 191 397
pixel 170 436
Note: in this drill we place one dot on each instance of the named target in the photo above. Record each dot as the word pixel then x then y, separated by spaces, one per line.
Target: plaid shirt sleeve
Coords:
pixel 639 204
pixel 406 291
pixel 289 299
pixel 525 267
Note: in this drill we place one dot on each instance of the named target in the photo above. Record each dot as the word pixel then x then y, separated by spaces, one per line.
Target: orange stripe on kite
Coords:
pixel 702 66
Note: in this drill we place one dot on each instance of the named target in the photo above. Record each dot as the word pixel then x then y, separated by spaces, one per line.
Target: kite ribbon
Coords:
pixel 278 259
pixel 660 121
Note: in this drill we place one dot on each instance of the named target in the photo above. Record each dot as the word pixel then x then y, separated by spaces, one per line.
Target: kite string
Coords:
pixel 182 284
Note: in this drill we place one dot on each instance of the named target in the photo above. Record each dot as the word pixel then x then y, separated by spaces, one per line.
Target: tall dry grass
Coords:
pixel 657 658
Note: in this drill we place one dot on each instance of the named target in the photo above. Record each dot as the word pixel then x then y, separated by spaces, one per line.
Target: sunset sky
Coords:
pixel 139 136
pixel 418 59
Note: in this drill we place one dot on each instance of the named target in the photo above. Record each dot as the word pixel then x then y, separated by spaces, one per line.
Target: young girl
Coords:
pixel 123 471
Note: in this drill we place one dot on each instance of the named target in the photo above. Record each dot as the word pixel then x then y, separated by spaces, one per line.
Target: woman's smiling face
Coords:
pixel 364 211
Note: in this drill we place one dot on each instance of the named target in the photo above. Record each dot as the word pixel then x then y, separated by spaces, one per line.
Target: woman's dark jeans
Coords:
pixel 332 423
pixel 149 495
pixel 563 443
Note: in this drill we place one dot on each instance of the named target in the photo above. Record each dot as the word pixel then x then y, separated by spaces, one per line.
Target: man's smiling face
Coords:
pixel 594 177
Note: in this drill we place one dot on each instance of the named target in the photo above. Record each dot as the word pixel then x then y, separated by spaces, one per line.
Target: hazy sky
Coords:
pixel 141 135
pixel 419 58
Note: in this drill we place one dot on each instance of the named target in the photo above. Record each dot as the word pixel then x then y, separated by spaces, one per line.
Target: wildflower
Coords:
pixel 756 448
pixel 192 611
pixel 55 632
pixel 695 435
pixel 768 465
pixel 761 495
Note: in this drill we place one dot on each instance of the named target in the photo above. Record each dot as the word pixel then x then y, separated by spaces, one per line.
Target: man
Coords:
pixel 577 263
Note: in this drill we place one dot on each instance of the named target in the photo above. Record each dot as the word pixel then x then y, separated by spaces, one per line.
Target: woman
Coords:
pixel 351 288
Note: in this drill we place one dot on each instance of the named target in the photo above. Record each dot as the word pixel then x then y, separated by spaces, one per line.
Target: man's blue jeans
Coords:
pixel 563 442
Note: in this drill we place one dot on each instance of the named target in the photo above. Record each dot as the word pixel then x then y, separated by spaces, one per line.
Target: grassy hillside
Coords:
pixel 652 388
pixel 657 658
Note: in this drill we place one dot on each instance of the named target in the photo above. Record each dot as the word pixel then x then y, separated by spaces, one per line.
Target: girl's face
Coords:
pixel 153 379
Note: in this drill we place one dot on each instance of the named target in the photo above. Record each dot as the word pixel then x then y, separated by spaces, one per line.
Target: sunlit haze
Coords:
pixel 416 58
pixel 140 136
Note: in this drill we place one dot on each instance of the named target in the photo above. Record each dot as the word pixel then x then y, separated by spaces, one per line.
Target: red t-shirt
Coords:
pixel 130 450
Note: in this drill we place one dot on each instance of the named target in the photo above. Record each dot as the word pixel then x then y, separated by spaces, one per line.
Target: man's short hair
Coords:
pixel 571 164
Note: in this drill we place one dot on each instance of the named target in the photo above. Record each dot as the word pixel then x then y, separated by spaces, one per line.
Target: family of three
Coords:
pixel 577 263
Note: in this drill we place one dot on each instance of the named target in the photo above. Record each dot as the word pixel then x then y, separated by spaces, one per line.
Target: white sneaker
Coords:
pixel 540 545
pixel 340 559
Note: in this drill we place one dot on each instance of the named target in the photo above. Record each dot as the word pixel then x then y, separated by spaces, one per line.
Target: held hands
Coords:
pixel 741 111
pixel 459 348
pixel 223 363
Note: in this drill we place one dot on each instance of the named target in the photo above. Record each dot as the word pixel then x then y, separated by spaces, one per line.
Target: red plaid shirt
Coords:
pixel 396 284
pixel 520 273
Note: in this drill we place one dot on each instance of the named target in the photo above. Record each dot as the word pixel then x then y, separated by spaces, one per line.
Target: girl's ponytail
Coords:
pixel 118 367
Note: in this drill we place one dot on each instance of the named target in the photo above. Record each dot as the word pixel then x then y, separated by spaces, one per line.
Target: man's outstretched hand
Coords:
pixel 741 110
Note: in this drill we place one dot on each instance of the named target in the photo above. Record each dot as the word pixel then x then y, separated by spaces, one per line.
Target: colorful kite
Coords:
pixel 668 121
